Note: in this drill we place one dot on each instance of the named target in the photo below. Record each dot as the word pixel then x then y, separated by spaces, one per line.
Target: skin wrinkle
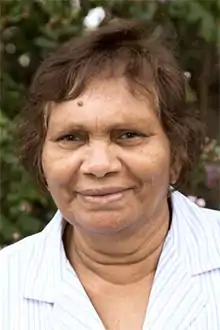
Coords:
pixel 68 166
pixel 114 247
pixel 141 94
pixel 125 79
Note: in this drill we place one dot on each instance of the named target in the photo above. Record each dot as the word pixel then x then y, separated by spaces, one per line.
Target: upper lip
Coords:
pixel 102 191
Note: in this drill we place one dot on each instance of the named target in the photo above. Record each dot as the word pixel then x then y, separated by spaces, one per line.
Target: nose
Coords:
pixel 100 160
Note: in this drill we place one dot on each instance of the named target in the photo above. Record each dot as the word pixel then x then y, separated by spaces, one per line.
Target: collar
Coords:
pixel 194 232
pixel 43 274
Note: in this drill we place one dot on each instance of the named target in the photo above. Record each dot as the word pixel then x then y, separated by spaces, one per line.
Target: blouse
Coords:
pixel 39 289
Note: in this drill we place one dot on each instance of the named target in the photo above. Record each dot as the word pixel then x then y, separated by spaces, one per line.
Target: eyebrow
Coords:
pixel 114 126
pixel 137 123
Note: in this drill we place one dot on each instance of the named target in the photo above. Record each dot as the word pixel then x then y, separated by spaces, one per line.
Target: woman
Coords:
pixel 106 131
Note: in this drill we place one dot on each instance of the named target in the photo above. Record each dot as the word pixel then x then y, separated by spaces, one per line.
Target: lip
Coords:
pixel 102 191
pixel 103 196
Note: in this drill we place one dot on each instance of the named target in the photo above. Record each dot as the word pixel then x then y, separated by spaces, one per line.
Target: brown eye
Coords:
pixel 71 138
pixel 129 135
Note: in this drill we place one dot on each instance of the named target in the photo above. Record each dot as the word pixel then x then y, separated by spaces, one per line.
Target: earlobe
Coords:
pixel 172 182
pixel 175 172
pixel 176 165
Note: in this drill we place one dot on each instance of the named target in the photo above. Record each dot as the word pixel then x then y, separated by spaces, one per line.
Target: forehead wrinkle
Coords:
pixel 101 121
pixel 107 97
pixel 96 123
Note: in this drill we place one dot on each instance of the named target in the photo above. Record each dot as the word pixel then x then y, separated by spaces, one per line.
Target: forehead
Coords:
pixel 105 102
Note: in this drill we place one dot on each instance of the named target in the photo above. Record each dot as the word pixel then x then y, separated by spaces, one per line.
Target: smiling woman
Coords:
pixel 102 141
pixel 106 131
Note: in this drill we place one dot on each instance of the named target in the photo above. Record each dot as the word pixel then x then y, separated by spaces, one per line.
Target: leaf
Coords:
pixel 45 43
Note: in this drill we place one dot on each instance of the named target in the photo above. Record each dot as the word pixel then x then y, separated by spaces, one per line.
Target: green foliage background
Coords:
pixel 30 30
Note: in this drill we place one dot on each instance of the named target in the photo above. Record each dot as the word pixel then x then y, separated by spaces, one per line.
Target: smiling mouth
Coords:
pixel 103 198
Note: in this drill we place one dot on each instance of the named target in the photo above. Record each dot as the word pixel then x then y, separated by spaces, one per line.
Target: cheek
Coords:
pixel 152 165
pixel 59 169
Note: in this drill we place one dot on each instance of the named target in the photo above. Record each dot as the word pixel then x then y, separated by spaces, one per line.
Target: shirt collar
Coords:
pixel 44 271
pixel 195 238
pixel 196 233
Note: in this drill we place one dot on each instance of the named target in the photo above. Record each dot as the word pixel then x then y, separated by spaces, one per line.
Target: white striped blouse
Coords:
pixel 39 290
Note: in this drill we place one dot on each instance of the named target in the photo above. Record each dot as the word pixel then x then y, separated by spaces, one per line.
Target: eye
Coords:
pixel 69 137
pixel 73 137
pixel 129 135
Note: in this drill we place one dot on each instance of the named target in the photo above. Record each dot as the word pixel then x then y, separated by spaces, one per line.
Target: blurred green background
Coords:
pixel 30 30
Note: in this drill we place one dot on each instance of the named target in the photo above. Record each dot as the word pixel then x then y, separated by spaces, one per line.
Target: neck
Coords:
pixel 123 258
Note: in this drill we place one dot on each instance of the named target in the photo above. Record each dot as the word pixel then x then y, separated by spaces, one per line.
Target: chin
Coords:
pixel 103 223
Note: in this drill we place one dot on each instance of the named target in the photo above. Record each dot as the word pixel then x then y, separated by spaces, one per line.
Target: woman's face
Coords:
pixel 106 159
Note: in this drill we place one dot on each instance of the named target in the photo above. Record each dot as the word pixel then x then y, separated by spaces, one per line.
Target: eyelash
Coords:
pixel 67 138
pixel 132 133
pixel 78 138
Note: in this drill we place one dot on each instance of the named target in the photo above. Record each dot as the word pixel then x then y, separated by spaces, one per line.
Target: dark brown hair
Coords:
pixel 126 48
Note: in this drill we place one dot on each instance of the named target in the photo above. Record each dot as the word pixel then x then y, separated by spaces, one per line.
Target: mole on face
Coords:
pixel 80 103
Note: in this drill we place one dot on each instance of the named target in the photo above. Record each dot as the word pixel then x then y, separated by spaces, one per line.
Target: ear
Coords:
pixel 175 170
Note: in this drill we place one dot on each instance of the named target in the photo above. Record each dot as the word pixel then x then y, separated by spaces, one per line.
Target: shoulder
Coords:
pixel 182 205
pixel 213 215
pixel 203 222
pixel 211 224
pixel 14 264
pixel 25 266
pixel 26 248
pixel 15 258
pixel 210 221
pixel 197 231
